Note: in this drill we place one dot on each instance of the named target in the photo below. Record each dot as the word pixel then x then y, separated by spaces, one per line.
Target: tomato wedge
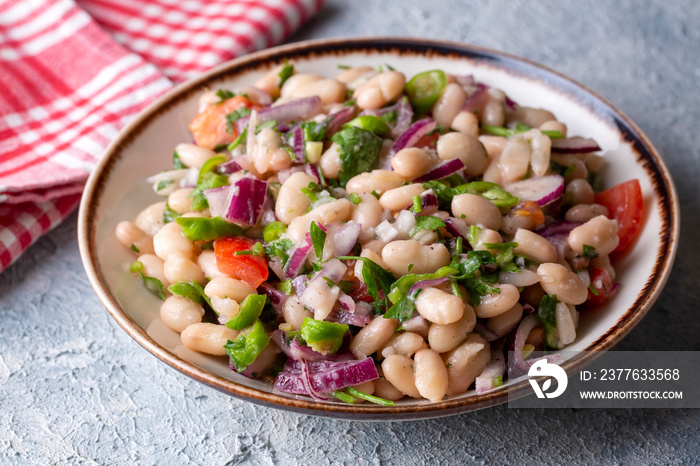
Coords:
pixel 625 204
pixel 250 268
pixel 209 127
pixel 603 286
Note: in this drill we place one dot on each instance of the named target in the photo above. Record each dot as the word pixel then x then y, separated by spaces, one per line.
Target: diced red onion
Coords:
pixel 517 365
pixel 543 190
pixel 257 95
pixel 412 135
pixel 479 98
pixel 404 115
pixel 297 258
pixel 457 228
pixel 341 239
pixel 325 376
pixel 229 167
pixel 217 198
pixel 574 145
pixel 312 170
pixel 443 170
pixel 346 302
pixel 298 145
pixel 511 104
pixel 485 332
pixel 299 284
pixel 296 110
pixel 496 368
pixel 339 119
pixel 342 316
pixel 191 178
pixel 276 297
pixel 465 79
pixel 557 228
pixel 426 284
pixel 417 324
pixel 245 201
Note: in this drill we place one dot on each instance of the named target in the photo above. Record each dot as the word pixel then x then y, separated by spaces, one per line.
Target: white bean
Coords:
pixel 373 336
pixel 466 362
pixel 180 201
pixel 225 307
pixel 515 159
pixel 270 81
pixel 329 90
pixel 439 307
pixel 170 240
pixel 411 163
pixel 599 232
pixel 380 90
pixel 330 162
pixel 207 338
pixel 554 125
pixel 232 288
pixel 494 145
pixel 584 212
pixel 530 116
pixel 132 237
pixel 465 147
pixel 580 192
pixel 377 180
pixel 534 246
pixel 150 220
pixel 519 279
pixel 291 202
pixel 207 262
pixel 268 154
pixel 449 104
pixel 443 338
pixel 398 371
pixel 180 268
pixel 399 198
pixel 404 343
pixel 558 280
pixel 431 378
pixel 466 123
pixel 497 303
pixel 192 155
pixel 353 74
pixel 578 170
pixel 294 312
pixel 399 255
pixel 332 212
pixel 368 212
pixel 384 389
pixel 291 85
pixel 476 210
pixel 153 267
pixel 504 323
pixel 178 313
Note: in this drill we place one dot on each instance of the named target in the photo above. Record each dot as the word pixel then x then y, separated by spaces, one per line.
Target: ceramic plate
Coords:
pixel 117 191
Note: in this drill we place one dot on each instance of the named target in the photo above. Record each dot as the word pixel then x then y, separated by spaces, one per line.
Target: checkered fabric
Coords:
pixel 72 74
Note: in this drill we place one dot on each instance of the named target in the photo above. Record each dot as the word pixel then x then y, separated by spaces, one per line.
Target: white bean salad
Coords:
pixel 369 238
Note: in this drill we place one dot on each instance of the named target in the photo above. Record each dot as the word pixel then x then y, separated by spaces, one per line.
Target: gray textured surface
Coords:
pixel 74 388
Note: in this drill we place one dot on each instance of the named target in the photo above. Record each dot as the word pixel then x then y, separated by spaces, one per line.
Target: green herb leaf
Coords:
pixel 279 249
pixel 285 287
pixel 210 180
pixel 207 229
pixel 152 284
pixel 135 249
pixel 342 396
pixel 358 150
pixel 374 276
pixel 247 347
pixel 315 131
pixel 224 94
pixel 236 142
pixel 403 309
pixel 286 73
pixel 177 163
pixel 169 215
pixel 164 184
pixel 427 222
pixel 235 115
pixel 372 399
pixel 593 290
pixel 318 239
pixel 547 312
pixel 190 290
pixel 589 252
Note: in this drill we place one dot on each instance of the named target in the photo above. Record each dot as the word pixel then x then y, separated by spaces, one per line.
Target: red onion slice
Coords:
pixel 465 79
pixel 496 368
pixel 216 197
pixel 245 201
pixel 443 170
pixel 410 137
pixel 543 190
pixel 479 98
pixel 229 167
pixel 324 376
pixel 458 228
pixel 297 258
pixel 557 228
pixel 517 365
pixel 297 110
pixel 339 119
pixel 341 239
pixel 298 144
pixel 276 297
pixel 574 145
pixel 426 284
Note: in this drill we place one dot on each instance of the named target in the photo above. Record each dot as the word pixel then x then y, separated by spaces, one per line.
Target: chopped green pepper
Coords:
pixel 206 229
pixel 425 88
pixel 491 191
pixel 209 166
pixel 251 308
pixel 247 347
pixel 274 231
pixel 321 336
pixel 370 123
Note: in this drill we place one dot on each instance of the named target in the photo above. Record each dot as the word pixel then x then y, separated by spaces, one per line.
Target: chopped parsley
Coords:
pixel 152 284
pixel 286 73
pixel 589 252
pixel 235 115
pixel 224 94
pixel 427 223
pixel 358 150
pixel 318 239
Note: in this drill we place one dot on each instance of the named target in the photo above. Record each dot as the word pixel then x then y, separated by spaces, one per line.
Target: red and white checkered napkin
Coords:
pixel 72 74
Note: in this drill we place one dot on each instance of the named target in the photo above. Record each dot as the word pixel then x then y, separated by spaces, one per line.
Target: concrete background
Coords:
pixel 75 389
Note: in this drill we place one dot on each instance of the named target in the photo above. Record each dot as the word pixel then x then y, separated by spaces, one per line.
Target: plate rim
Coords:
pixel 670 218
